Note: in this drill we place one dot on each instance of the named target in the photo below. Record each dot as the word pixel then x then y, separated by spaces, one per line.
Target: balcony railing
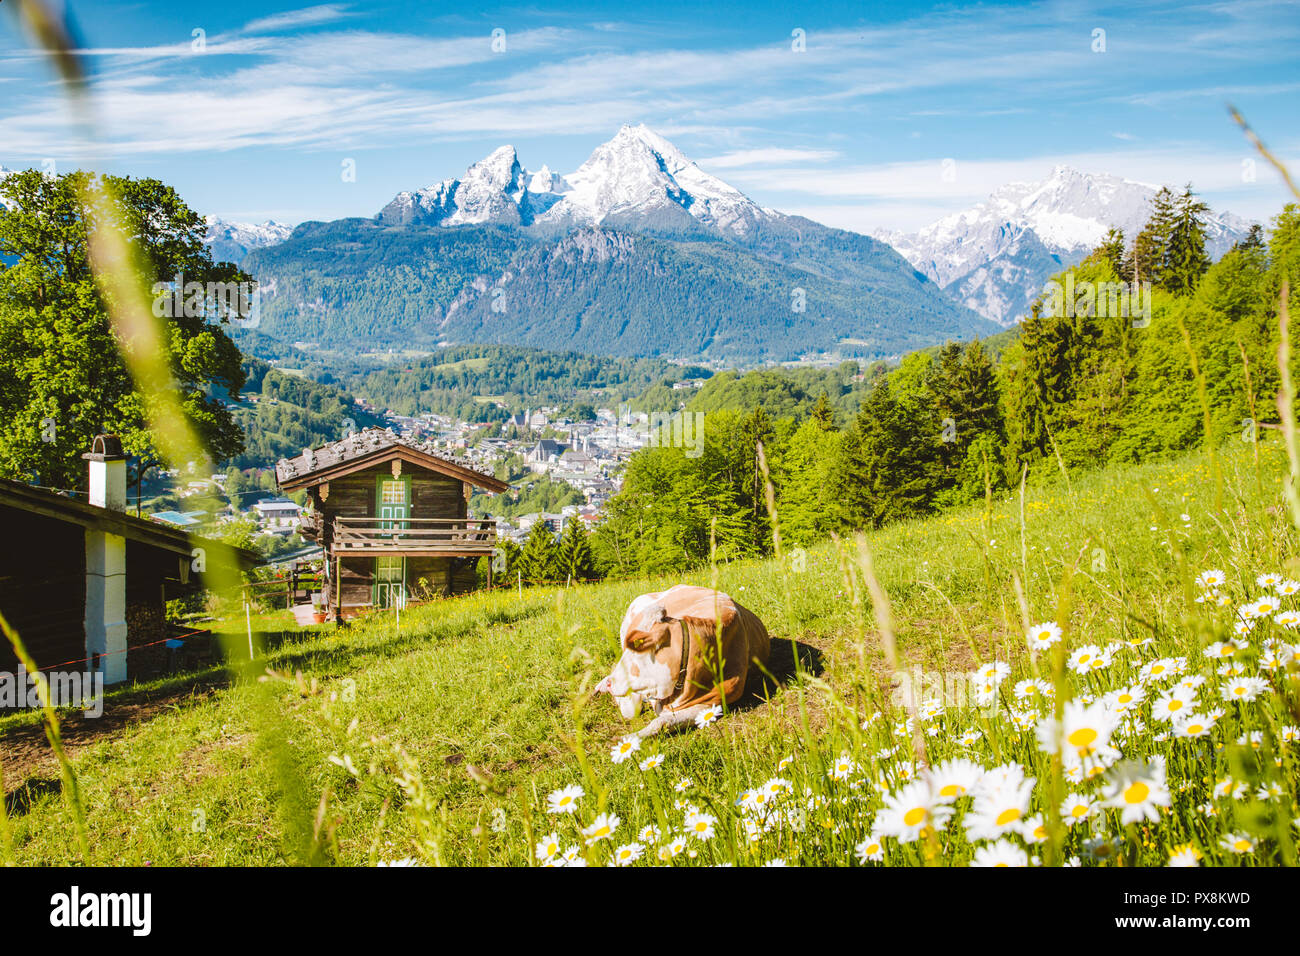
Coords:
pixel 450 536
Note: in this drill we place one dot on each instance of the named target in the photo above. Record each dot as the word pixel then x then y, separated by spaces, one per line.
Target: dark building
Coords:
pixel 82 581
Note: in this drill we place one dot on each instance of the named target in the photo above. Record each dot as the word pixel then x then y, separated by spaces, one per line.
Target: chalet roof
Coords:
pixel 373 446
pixel 154 534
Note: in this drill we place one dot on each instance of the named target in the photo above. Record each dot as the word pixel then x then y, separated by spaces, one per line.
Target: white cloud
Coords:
pixel 766 157
pixel 308 16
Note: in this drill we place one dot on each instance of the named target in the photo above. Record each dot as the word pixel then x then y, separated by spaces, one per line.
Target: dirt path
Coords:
pixel 25 751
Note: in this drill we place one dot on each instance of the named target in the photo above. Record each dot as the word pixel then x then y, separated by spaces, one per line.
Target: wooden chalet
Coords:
pixel 390 514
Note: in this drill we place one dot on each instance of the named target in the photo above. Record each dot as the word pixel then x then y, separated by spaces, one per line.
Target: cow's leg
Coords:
pixel 670 719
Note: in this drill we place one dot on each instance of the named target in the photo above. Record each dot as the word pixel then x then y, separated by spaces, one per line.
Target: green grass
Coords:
pixel 441 739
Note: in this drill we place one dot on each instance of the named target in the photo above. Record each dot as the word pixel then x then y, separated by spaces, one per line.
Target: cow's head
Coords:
pixel 642 673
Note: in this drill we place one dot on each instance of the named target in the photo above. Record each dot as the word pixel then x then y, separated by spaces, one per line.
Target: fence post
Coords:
pixel 248 620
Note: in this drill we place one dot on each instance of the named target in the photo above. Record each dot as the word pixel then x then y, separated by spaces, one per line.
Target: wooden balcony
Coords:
pixel 452 537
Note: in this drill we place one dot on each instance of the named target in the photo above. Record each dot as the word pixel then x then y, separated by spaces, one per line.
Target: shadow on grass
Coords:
pixel 21 798
pixel 378 640
pixel 781 669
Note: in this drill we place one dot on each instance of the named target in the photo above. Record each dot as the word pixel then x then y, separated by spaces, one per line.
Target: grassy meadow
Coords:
pixel 1153 720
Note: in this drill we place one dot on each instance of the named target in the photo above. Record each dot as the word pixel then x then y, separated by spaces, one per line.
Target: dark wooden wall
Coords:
pixel 42 587
pixel 436 496
pixel 43 590
pixel 357 576
pixel 432 495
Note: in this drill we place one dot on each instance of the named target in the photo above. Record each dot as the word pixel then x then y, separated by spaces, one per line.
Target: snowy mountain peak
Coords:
pixel 546 181
pixel 493 190
pixel 499 168
pixel 996 255
pixel 636 174
pixel 672 157
pixel 231 241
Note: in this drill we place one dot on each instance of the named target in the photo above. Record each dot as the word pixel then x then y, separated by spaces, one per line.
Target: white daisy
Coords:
pixel 628 854
pixel 708 716
pixel 624 749
pixel 700 825
pixel 602 828
pixel 912 812
pixel 565 800
pixel 1043 636
pixel 1001 853
pixel 548 846
pixel 1139 790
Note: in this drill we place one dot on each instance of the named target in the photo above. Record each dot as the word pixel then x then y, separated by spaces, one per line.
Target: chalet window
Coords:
pixel 393 507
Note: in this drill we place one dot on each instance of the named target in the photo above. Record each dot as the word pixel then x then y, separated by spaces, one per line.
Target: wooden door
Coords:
pixel 390 582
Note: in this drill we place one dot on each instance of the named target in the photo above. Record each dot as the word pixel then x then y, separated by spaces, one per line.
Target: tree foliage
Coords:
pixel 62 376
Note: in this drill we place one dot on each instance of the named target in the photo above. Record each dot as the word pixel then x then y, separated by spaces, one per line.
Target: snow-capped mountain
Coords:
pixel 996 256
pixel 231 241
pixel 636 252
pixel 496 189
pixel 637 177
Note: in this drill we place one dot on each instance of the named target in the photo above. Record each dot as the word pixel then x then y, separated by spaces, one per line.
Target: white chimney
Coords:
pixel 107 473
pixel 106 563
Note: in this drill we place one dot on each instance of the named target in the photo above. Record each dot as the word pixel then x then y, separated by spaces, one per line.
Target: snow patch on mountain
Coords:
pixel 636 176
pixel 496 189
pixel 231 241
pixel 996 256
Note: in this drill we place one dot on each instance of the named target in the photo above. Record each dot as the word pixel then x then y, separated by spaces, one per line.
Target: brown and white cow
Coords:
pixel 670 642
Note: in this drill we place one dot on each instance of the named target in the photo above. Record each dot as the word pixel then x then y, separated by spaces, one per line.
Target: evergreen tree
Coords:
pixel 1111 250
pixel 823 413
pixel 576 560
pixel 1254 238
pixel 972 400
pixel 896 456
pixel 1185 258
pixel 1142 260
pixel 1039 384
pixel 1148 260
pixel 540 559
pixel 806 504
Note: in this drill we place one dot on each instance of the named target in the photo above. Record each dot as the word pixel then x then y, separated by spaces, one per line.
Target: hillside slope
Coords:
pixel 475 707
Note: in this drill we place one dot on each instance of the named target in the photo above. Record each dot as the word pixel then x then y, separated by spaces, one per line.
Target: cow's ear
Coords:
pixel 642 641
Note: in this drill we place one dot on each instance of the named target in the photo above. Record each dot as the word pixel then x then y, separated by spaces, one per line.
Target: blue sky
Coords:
pixel 852 130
